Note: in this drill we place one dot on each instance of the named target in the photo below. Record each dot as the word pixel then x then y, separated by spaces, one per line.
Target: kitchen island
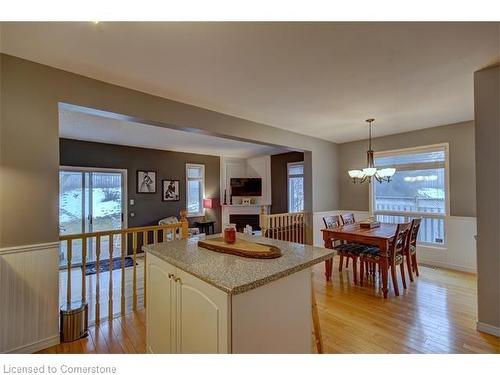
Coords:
pixel 201 301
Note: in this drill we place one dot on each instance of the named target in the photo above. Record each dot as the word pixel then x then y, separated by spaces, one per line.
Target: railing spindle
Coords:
pixel 110 291
pixel 134 280
pixel 97 287
pixel 69 254
pixel 288 228
pixel 84 269
pixel 123 274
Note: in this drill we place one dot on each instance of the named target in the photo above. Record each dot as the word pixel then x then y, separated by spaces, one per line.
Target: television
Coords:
pixel 246 187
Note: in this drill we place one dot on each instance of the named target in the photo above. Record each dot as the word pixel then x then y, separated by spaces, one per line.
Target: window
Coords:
pixel 295 187
pixel 195 187
pixel 419 188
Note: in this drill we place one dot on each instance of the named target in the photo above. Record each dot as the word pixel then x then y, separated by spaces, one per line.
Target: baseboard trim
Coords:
pixel 28 248
pixel 35 346
pixel 488 328
pixel 447 266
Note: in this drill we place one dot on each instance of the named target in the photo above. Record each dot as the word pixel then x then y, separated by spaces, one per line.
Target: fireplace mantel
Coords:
pixel 235 209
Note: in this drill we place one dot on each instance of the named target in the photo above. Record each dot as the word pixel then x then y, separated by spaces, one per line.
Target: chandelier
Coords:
pixel 366 174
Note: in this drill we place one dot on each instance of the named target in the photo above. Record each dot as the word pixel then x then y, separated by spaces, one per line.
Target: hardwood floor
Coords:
pixel 437 314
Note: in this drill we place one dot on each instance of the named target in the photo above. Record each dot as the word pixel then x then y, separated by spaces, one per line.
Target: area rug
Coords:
pixel 104 265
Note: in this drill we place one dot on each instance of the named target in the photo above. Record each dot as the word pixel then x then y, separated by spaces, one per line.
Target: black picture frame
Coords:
pixel 169 195
pixel 140 183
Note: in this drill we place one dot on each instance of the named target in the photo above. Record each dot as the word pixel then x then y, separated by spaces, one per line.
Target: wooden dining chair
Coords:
pixel 345 250
pixel 334 221
pixel 347 218
pixel 396 256
pixel 410 252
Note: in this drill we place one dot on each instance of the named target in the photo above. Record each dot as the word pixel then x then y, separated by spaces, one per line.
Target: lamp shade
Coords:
pixel 210 203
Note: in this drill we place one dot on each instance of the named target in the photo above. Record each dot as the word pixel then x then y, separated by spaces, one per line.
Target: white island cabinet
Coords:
pixel 184 314
pixel 199 301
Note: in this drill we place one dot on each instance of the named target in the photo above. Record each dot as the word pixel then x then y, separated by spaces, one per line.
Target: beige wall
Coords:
pixel 460 137
pixel 487 120
pixel 30 93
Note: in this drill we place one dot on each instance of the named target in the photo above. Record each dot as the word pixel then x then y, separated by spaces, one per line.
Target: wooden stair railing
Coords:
pixel 286 227
pixel 142 235
pixel 291 227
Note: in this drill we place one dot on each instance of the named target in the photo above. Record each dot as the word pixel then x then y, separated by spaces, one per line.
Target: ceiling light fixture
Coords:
pixel 366 174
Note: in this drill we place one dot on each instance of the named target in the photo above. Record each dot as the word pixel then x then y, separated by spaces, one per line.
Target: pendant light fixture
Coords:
pixel 366 174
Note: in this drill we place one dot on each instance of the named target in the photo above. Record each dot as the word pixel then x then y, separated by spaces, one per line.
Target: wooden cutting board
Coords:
pixel 241 248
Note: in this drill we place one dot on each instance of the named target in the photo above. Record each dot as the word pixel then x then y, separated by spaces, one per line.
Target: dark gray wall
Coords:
pixel 148 208
pixel 462 169
pixel 279 183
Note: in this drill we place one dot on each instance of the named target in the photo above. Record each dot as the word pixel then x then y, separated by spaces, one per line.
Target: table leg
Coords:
pixel 328 262
pixel 328 269
pixel 384 265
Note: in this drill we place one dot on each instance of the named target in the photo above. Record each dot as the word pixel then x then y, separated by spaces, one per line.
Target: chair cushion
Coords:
pixel 374 253
pixel 351 248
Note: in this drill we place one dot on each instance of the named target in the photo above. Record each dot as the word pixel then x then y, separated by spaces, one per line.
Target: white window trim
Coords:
pixel 202 191
pixel 411 150
pixel 288 165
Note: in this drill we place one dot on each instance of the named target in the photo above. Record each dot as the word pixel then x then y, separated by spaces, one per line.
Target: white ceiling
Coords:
pixel 88 127
pixel 320 79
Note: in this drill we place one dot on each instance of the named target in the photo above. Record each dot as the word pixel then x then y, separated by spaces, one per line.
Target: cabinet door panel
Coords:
pixel 202 312
pixel 160 324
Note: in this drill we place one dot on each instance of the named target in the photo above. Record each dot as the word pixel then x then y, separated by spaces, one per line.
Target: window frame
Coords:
pixel 288 165
pixel 201 212
pixel 411 150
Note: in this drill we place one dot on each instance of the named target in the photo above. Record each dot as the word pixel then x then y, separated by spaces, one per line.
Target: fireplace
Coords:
pixel 242 220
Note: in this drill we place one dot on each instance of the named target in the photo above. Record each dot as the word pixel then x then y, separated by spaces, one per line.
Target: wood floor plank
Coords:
pixel 112 341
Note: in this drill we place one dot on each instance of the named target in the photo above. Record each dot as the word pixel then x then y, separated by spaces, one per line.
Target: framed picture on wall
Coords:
pixel 146 182
pixel 170 191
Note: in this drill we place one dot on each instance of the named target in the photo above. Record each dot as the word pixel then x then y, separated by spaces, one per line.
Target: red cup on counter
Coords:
pixel 230 233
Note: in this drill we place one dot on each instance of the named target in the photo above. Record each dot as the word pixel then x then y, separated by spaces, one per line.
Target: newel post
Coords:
pixel 262 220
pixel 184 222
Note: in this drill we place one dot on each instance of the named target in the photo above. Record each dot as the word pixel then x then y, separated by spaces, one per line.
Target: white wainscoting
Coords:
pixel 29 298
pixel 459 253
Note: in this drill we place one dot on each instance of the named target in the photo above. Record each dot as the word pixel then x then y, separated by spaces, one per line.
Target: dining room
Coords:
pixel 405 276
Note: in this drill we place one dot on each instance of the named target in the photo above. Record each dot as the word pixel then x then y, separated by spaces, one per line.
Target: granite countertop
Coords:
pixel 234 274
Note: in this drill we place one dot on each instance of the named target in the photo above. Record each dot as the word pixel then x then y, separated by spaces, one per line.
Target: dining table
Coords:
pixel 381 236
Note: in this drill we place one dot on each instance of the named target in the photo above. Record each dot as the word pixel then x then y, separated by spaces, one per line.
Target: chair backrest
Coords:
pixel 332 221
pixel 415 226
pixel 401 239
pixel 348 218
